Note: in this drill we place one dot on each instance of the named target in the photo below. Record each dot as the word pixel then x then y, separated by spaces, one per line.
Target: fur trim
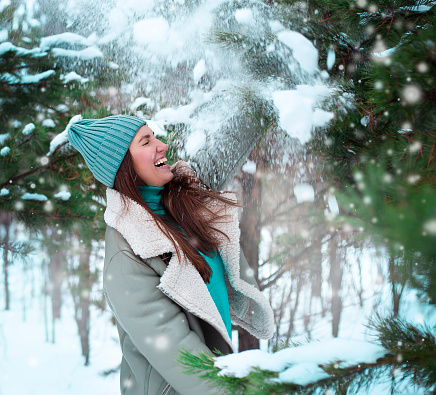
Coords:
pixel 181 281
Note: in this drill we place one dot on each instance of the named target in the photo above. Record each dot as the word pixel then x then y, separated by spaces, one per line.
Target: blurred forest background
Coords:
pixel 336 229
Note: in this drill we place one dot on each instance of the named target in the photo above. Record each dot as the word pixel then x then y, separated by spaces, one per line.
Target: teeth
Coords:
pixel 163 160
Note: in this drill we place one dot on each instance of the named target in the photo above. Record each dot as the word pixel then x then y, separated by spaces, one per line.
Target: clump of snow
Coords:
pixel 29 128
pixel 333 205
pixel 5 151
pixel 430 227
pixel 140 101
pixel 4 192
pixel 157 130
pixel 113 65
pixel 4 137
pixel 195 142
pixel 63 195
pixel 7 46
pixel 63 38
pixel 245 15
pixel 299 365
pixel 297 116
pixel 34 196
pixel 304 193
pixel 302 374
pixel 331 58
pixel 62 108
pixel 303 50
pixel 151 31
pixel 63 136
pixel 48 123
pixel 26 79
pixel 73 76
pixel 199 70
pixel 249 167
pixel 89 53
pixel 276 26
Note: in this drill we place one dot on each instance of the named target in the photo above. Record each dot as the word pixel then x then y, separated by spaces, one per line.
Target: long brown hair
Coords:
pixel 187 200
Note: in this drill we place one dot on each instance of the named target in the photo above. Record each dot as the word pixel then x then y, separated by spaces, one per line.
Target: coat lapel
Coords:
pixel 181 281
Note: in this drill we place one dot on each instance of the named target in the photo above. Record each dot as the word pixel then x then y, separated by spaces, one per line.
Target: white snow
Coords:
pixel 62 108
pixel 73 76
pixel 331 58
pixel 297 115
pixel 151 31
pixel 7 46
pixel 63 195
pixel 333 205
pixel 304 193
pixel 303 49
pixel 29 128
pixel 89 53
pixel 140 101
pixel 199 70
pixel 63 38
pixel 195 142
pixel 63 136
pixel 4 137
pixel 48 123
pixel 34 196
pixel 249 167
pixel 113 65
pixel 5 151
pixel 156 128
pixel 26 79
pixel 4 4
pixel 430 226
pixel 293 362
pixel 4 192
pixel 245 15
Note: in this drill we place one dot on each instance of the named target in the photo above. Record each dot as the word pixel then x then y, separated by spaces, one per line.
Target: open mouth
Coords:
pixel 161 162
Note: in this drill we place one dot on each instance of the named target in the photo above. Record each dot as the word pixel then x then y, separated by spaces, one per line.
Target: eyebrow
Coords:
pixel 146 136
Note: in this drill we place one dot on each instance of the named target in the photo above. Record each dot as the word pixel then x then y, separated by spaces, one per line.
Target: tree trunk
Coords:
pixel 250 239
pixel 6 220
pixel 81 295
pixel 336 281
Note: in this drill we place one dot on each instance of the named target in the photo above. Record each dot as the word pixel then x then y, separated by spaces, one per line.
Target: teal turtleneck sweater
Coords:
pixel 217 284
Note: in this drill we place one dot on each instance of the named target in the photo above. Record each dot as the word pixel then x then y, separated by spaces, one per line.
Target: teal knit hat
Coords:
pixel 104 142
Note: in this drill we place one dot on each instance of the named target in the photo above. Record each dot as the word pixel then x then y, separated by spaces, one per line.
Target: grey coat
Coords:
pixel 161 308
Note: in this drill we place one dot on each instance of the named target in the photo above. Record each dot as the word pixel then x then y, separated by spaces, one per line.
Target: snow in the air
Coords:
pixel 333 205
pixel 63 195
pixel 199 70
pixel 4 137
pixel 298 115
pixel 331 58
pixel 73 76
pixel 5 151
pixel 48 123
pixel 304 193
pixel 34 196
pixel 290 362
pixel 245 15
pixel 195 142
pixel 140 101
pixel 29 128
pixel 302 49
pixel 249 167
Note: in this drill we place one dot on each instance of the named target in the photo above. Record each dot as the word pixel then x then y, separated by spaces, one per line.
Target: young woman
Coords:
pixel 174 275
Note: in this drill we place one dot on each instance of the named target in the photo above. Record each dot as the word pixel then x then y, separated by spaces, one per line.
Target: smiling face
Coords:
pixel 149 161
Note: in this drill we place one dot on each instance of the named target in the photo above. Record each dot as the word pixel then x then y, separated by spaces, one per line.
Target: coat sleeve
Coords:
pixel 157 326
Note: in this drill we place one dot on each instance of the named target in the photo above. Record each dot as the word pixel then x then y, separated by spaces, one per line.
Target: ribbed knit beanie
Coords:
pixel 104 142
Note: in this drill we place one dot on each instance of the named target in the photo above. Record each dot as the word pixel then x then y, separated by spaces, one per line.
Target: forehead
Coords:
pixel 142 133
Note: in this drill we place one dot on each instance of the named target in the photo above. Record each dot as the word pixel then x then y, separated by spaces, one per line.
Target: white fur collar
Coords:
pixel 181 281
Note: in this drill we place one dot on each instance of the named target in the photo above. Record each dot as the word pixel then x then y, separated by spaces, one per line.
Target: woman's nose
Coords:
pixel 162 146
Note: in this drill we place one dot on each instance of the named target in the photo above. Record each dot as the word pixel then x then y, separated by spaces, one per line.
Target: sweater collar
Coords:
pixel 152 197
